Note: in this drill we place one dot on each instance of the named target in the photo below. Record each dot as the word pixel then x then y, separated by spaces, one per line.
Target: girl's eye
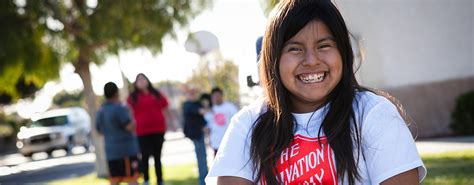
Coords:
pixel 295 49
pixel 324 46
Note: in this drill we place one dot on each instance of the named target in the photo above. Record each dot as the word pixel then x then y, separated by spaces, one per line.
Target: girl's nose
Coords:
pixel 311 58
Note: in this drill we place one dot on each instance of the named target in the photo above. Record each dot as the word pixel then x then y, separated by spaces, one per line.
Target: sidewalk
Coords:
pixel 445 144
pixel 174 135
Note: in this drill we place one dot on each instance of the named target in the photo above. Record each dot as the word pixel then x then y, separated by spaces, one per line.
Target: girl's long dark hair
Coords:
pixel 136 91
pixel 273 130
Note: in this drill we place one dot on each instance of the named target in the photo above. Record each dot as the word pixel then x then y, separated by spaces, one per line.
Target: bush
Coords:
pixel 6 131
pixel 463 115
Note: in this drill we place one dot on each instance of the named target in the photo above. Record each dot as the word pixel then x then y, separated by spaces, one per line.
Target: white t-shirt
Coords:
pixel 387 145
pixel 218 123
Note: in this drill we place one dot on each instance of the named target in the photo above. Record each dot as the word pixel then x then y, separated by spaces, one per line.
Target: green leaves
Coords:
pixel 225 75
pixel 463 114
pixel 268 5
pixel 65 99
pixel 40 35
pixel 125 24
pixel 26 61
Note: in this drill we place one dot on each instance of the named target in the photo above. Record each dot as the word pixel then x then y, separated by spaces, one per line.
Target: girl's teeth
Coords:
pixel 312 78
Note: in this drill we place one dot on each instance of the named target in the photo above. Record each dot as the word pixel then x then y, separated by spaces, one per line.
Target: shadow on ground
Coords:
pixel 49 174
pixel 188 181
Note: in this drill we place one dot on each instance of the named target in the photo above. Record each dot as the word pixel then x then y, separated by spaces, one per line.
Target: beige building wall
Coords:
pixel 421 51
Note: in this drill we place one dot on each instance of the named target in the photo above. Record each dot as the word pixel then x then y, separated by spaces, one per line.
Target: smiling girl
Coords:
pixel 316 125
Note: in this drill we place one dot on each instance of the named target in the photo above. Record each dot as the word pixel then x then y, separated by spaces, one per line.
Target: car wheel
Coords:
pixel 69 146
pixel 27 155
pixel 88 144
pixel 50 153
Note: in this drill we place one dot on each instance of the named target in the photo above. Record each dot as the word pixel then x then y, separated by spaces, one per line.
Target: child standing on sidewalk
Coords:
pixel 121 146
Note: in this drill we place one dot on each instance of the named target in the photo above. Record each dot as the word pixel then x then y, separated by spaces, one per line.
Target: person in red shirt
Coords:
pixel 150 110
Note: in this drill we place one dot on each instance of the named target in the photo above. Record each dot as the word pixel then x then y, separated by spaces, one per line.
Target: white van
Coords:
pixel 55 129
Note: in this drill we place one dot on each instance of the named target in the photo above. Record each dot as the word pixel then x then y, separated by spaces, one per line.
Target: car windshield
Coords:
pixel 49 122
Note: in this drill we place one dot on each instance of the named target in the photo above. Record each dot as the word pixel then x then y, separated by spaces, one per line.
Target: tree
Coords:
pixel 227 78
pixel 65 99
pixel 26 61
pixel 82 32
pixel 268 5
pixel 15 89
pixel 225 74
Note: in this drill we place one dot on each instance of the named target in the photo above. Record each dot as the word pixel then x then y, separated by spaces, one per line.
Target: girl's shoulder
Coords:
pixel 367 103
pixel 368 100
pixel 377 112
pixel 250 113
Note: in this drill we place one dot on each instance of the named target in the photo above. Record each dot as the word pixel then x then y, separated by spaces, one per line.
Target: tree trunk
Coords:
pixel 82 68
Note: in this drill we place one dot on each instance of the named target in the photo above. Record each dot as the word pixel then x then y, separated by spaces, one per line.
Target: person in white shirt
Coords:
pixel 222 112
pixel 207 113
pixel 316 124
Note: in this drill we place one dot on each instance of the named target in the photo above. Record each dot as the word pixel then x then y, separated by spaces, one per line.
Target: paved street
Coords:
pixel 40 169
pixel 15 168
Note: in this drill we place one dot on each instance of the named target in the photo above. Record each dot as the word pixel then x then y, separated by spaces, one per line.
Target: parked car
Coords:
pixel 55 129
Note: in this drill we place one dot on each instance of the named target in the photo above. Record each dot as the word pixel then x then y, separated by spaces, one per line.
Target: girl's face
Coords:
pixel 217 98
pixel 205 103
pixel 141 83
pixel 310 66
pixel 192 95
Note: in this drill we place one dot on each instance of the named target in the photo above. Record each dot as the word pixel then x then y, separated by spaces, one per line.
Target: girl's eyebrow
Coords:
pixel 330 38
pixel 292 43
pixel 327 38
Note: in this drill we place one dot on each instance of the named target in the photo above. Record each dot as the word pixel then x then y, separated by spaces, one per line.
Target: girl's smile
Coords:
pixel 310 66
